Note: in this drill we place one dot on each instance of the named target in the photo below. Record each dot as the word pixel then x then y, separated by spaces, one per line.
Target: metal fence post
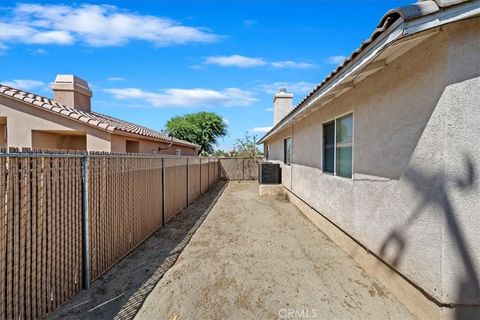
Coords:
pixel 187 182
pixel 85 224
pixel 163 192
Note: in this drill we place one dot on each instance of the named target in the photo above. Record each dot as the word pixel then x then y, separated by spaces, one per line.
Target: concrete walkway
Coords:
pixel 259 258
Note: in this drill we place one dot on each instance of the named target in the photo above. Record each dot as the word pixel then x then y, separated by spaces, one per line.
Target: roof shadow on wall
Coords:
pixel 433 190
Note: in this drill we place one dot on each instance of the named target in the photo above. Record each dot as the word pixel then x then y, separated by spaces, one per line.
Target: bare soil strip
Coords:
pixel 260 258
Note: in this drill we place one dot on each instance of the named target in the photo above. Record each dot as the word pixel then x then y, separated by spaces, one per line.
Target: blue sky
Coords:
pixel 147 61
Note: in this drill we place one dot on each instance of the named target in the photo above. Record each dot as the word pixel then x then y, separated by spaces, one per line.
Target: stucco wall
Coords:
pixel 147 146
pixel 53 140
pixel 276 153
pixel 413 198
pixel 22 119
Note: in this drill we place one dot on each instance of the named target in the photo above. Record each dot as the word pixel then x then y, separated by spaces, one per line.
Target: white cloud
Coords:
pixel 269 109
pixel 261 129
pixel 196 97
pixel 336 59
pixel 116 79
pixel 292 64
pixel 94 25
pixel 38 52
pixel 300 87
pixel 249 23
pixel 24 84
pixel 235 61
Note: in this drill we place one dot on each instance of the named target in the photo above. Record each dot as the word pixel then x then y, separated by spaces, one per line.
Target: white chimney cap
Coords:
pixel 282 93
pixel 71 79
pixel 69 82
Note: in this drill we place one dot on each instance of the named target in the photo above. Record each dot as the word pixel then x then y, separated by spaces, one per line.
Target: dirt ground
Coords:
pixel 260 258
pixel 120 292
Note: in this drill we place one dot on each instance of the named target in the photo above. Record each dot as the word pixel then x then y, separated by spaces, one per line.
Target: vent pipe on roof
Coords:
pixel 282 105
pixel 72 92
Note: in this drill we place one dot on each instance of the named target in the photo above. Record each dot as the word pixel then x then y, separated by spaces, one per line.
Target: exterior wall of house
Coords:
pixel 276 152
pixel 147 146
pixel 22 119
pixel 413 199
pixel 3 132
pixel 62 141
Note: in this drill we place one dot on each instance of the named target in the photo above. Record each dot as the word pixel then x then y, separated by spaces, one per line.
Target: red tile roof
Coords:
pixel 94 119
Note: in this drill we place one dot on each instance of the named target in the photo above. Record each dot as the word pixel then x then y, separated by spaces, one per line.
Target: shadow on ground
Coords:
pixel 120 292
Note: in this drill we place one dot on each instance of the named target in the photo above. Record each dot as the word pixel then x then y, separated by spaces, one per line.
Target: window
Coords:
pixel 287 150
pixel 329 147
pixel 338 146
pixel 178 152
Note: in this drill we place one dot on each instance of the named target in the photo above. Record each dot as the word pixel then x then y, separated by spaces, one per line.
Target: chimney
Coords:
pixel 72 91
pixel 282 105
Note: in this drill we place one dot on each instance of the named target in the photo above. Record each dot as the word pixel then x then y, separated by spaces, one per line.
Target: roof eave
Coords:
pixel 399 30
pixel 362 60
pixel 104 128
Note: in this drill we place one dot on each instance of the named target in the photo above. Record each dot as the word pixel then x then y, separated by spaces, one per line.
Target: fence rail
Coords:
pixel 51 203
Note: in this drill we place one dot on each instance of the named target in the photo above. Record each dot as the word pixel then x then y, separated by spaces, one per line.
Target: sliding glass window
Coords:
pixel 338 146
pixel 344 140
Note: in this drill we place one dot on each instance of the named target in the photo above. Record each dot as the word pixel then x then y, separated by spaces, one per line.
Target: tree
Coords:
pixel 246 147
pixel 221 154
pixel 202 128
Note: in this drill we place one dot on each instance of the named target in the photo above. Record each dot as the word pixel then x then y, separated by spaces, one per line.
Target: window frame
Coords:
pixel 285 150
pixel 334 120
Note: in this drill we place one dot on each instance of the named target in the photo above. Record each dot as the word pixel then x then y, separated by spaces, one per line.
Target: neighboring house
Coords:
pixel 384 155
pixel 67 122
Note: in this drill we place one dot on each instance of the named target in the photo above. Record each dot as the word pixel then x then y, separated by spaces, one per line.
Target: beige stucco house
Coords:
pixel 67 122
pixel 384 155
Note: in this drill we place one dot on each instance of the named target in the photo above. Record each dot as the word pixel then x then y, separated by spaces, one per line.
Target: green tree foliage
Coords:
pixel 202 128
pixel 246 147
pixel 222 154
